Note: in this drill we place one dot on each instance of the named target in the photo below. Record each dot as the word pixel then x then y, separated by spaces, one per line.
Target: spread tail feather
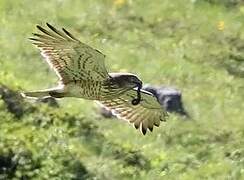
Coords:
pixel 36 94
pixel 56 93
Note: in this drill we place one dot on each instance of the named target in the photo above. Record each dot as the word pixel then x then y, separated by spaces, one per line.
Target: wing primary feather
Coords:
pixel 34 39
pixel 143 130
pixel 148 119
pixel 144 126
pixel 51 34
pixel 137 121
pixel 157 123
pixel 150 123
pixel 136 125
pixel 56 31
pixel 150 128
pixel 69 34
pixel 44 30
pixel 42 36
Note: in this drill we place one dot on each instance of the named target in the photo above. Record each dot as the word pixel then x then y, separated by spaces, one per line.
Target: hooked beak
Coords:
pixel 138 84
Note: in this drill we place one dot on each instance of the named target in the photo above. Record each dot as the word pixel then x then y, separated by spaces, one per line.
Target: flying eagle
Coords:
pixel 82 74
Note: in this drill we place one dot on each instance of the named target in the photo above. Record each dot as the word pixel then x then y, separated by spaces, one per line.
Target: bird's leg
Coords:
pixel 137 100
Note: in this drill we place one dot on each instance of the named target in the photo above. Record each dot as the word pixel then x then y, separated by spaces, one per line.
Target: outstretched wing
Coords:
pixel 145 115
pixel 71 59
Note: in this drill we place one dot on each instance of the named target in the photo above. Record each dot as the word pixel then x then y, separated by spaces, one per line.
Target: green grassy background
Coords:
pixel 178 43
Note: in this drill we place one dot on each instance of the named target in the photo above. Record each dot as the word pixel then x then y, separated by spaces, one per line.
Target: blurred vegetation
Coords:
pixel 194 45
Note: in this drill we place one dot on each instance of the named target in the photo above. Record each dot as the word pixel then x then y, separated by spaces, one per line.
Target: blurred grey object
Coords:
pixel 168 97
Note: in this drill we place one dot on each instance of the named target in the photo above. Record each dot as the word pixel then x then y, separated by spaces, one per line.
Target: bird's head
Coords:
pixel 126 80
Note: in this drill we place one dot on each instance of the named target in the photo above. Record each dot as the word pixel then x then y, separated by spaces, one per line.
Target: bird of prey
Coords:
pixel 82 74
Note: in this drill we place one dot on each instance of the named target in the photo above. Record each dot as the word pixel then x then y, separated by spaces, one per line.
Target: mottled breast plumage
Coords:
pixel 85 89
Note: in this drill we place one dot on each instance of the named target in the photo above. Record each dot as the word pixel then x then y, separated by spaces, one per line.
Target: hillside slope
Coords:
pixel 196 46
